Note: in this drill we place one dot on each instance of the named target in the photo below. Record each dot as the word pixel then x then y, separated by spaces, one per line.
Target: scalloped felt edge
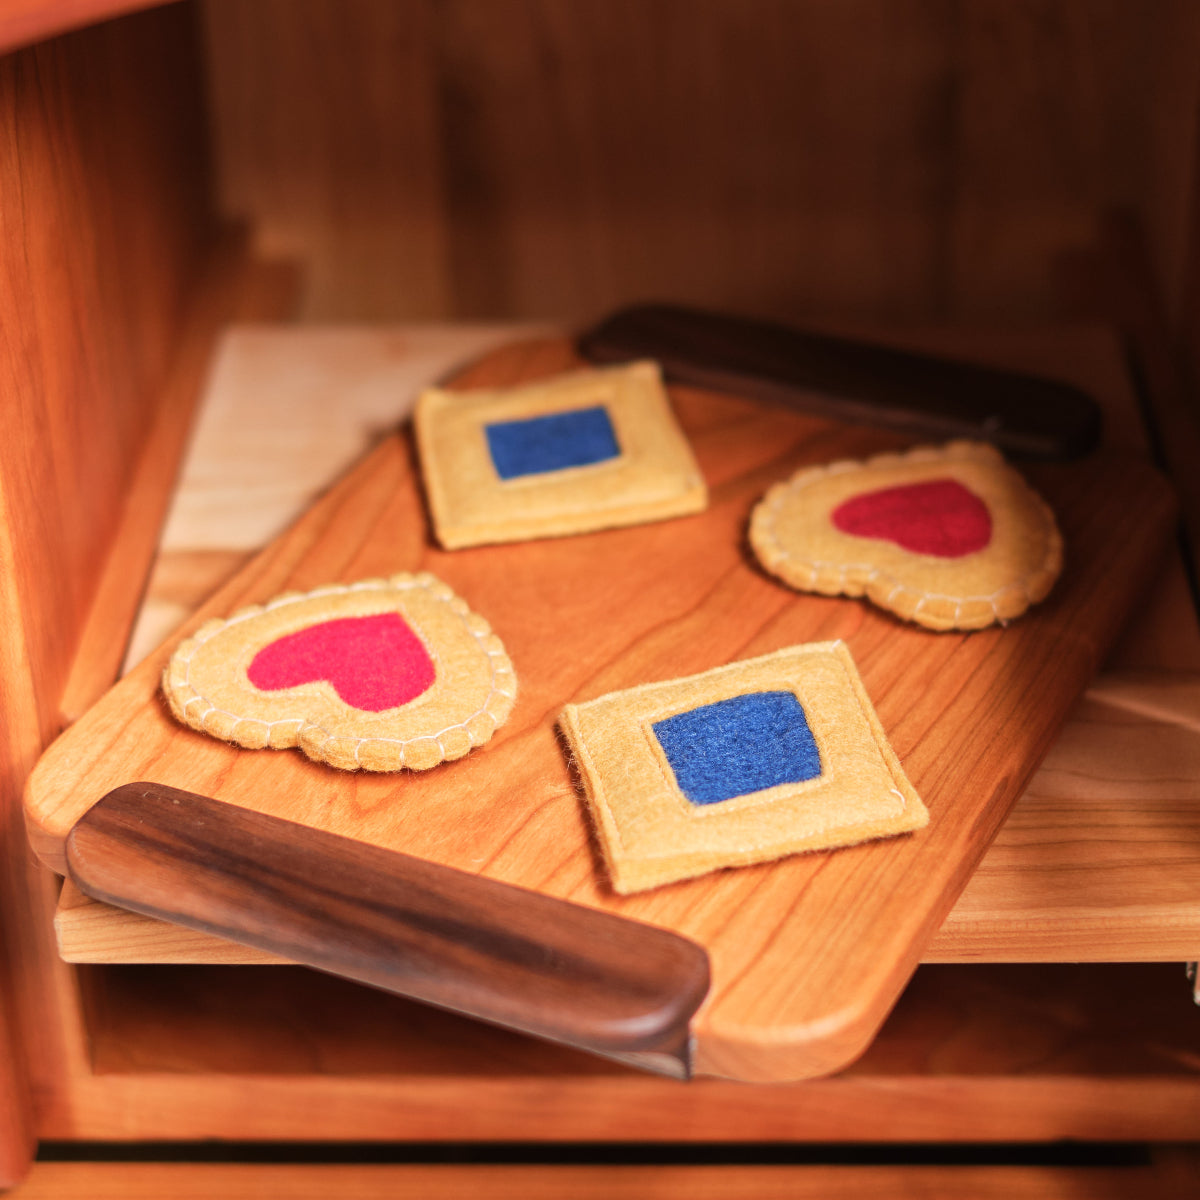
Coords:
pixel 358 740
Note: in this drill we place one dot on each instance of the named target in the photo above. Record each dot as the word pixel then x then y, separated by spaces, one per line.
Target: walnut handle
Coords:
pixel 475 946
pixel 852 381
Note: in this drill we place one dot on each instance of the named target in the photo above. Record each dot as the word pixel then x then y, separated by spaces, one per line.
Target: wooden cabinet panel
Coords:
pixel 554 158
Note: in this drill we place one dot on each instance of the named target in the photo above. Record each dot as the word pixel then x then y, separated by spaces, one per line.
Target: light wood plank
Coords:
pixel 1100 860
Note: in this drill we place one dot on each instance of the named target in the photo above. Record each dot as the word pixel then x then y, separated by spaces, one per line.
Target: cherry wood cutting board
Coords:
pixel 807 954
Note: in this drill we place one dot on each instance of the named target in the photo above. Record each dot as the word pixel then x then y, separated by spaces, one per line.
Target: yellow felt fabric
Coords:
pixel 655 475
pixel 474 689
pixel 649 832
pixel 794 537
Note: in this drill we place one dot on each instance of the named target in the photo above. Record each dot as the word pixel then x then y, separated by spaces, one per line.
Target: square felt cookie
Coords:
pixel 742 764
pixel 590 450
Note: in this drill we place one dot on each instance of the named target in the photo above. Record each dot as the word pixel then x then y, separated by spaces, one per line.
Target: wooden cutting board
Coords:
pixel 807 954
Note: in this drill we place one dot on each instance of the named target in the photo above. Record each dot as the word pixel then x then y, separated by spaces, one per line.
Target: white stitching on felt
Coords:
pixel 811 475
pixel 396 583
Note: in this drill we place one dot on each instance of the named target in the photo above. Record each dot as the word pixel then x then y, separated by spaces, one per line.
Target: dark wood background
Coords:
pixel 889 158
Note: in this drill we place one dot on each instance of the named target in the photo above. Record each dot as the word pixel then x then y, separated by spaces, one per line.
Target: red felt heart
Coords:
pixel 938 516
pixel 373 662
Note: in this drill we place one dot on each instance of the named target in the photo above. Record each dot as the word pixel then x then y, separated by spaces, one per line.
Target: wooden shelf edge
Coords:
pixel 230 1181
pixel 628 1108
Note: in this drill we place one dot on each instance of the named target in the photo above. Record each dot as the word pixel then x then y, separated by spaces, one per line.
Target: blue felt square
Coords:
pixel 551 443
pixel 739 745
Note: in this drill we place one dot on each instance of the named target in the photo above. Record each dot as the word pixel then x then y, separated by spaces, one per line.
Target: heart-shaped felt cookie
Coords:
pixel 950 537
pixel 381 674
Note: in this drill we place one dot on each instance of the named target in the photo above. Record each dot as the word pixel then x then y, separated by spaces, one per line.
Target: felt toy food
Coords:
pixel 950 537
pixel 379 675
pixel 742 764
pixel 586 450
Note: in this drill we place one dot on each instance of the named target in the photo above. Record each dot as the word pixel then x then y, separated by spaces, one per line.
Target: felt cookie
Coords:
pixel 950 537
pixel 742 764
pixel 593 449
pixel 378 675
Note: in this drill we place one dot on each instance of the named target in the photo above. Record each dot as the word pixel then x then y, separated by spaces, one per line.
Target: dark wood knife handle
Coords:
pixel 455 940
pixel 852 381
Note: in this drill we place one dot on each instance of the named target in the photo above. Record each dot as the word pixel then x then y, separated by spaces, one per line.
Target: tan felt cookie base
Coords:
pixel 651 834
pixel 794 537
pixel 654 477
pixel 207 687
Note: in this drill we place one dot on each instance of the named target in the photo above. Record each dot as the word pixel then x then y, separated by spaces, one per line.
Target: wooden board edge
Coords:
pixel 625 1106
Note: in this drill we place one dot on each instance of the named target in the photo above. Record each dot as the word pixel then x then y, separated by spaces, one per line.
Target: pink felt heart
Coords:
pixel 374 662
pixel 938 517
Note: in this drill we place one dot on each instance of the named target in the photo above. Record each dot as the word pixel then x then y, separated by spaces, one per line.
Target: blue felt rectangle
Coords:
pixel 740 745
pixel 552 442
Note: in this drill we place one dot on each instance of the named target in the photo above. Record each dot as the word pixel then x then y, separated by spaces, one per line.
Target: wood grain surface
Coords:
pixel 1099 861
pixel 808 954
pixel 106 226
pixel 582 1181
pixel 458 941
